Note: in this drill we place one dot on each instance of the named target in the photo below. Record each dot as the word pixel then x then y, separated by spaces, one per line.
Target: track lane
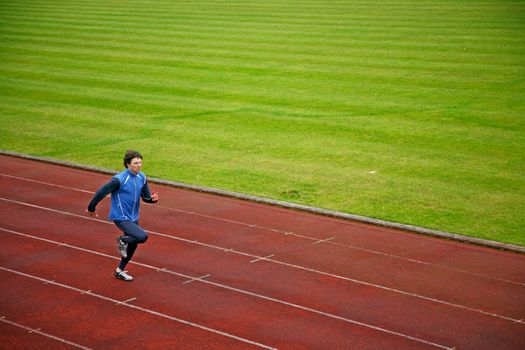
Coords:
pixel 356 302
pixel 383 240
pixel 19 336
pixel 249 318
pixel 85 319
pixel 354 235
pixel 427 281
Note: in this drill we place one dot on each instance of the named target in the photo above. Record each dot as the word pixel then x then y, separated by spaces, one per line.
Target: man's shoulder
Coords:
pixel 120 176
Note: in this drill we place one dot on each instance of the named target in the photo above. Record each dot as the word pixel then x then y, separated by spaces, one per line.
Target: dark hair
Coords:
pixel 130 154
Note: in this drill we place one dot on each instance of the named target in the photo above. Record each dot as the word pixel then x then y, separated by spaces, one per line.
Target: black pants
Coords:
pixel 133 236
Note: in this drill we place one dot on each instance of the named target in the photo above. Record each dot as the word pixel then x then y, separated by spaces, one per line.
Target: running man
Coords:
pixel 126 188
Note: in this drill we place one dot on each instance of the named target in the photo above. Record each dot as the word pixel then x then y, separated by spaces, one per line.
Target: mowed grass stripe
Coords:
pixel 231 9
pixel 276 13
pixel 174 106
pixel 421 75
pixel 216 50
pixel 133 27
pixel 296 23
pixel 289 41
pixel 325 129
pixel 212 74
pixel 239 5
pixel 309 26
pixel 81 94
pixel 139 101
pixel 212 78
pixel 368 79
pixel 122 92
pixel 368 43
pixel 287 57
pixel 286 99
pixel 142 102
pixel 457 131
pixel 307 45
pixel 247 89
pixel 165 82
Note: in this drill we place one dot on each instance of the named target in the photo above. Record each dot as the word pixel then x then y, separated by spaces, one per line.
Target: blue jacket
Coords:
pixel 126 191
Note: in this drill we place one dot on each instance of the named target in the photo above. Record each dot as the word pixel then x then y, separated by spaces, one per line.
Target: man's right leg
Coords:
pixel 125 260
pixel 122 246
pixel 119 272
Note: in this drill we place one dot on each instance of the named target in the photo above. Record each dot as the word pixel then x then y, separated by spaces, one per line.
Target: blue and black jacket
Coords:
pixel 126 188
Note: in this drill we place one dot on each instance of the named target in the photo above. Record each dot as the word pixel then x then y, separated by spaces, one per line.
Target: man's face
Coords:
pixel 135 165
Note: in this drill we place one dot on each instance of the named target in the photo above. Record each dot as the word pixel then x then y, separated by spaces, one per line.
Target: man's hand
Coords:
pixel 155 197
pixel 93 214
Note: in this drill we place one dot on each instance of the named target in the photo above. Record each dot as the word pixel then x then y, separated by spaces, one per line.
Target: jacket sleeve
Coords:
pixel 146 194
pixel 112 186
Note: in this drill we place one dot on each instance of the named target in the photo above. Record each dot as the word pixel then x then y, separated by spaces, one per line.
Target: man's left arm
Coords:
pixel 147 196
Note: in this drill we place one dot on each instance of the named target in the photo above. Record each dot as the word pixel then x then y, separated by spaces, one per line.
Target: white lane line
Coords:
pixel 156 313
pixel 194 278
pixel 323 240
pixel 289 265
pixel 287 233
pixel 47 335
pixel 262 258
pixel 47 183
pixel 117 303
pixel 236 290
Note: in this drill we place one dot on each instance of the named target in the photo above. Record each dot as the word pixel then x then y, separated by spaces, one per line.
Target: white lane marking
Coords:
pixel 289 265
pixel 117 303
pixel 47 183
pixel 194 278
pixel 156 313
pixel 47 335
pixel 262 258
pixel 287 233
pixel 235 290
pixel 324 240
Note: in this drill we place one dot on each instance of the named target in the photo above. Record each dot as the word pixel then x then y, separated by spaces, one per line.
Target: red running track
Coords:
pixel 221 273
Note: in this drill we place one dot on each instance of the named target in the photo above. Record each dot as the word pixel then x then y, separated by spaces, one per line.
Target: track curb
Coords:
pixel 288 205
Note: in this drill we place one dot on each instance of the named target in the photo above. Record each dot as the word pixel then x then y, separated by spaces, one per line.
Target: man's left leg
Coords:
pixel 127 244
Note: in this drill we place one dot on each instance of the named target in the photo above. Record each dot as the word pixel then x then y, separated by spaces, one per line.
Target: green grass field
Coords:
pixel 409 111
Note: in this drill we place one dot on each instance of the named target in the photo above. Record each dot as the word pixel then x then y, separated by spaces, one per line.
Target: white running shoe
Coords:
pixel 122 247
pixel 122 275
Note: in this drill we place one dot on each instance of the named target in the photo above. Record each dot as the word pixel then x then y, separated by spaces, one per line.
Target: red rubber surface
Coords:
pixel 274 278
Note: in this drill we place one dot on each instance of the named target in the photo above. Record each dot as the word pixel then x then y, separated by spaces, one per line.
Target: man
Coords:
pixel 126 188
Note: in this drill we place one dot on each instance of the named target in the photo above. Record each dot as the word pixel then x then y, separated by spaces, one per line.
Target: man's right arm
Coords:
pixel 111 186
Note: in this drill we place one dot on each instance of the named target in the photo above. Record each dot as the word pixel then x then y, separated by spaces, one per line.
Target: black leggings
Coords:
pixel 133 236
